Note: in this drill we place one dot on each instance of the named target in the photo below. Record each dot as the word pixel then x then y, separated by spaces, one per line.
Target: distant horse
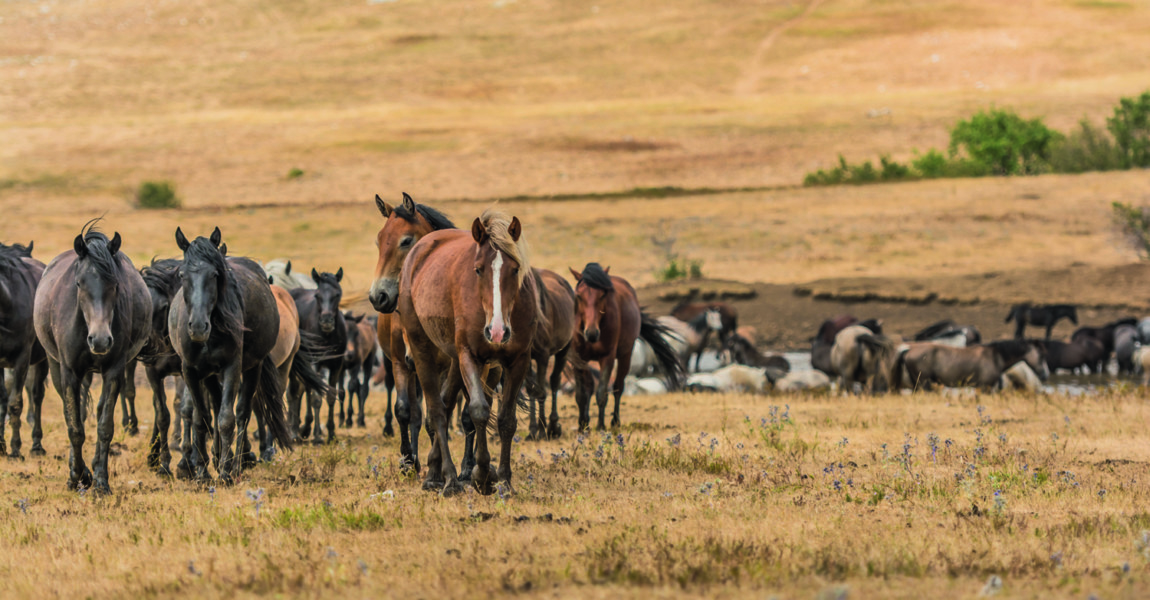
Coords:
pixel 224 325
pixel 404 225
pixel 557 308
pixel 731 379
pixel 1125 342
pixel 20 351
pixel 1144 331
pixel 1085 353
pixel 1046 315
pixel 319 316
pixel 608 321
pixel 358 362
pixel 982 366
pixel 684 339
pixel 1105 335
pixel 824 340
pixel 799 381
pixel 744 352
pixel 280 273
pixel 934 330
pixel 718 317
pixel 949 333
pixel 468 302
pixel 862 356
pixel 92 314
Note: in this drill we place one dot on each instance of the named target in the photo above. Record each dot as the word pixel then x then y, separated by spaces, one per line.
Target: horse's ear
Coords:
pixel 314 275
pixel 408 203
pixel 384 208
pixel 515 229
pixel 224 249
pixel 216 237
pixel 576 274
pixel 30 244
pixel 607 271
pixel 478 232
pixel 80 247
pixel 339 274
pixel 114 245
pixel 182 240
pixel 271 280
pixel 287 268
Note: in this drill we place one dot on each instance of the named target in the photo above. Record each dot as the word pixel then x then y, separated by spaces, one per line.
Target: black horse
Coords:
pixel 1105 336
pixel 1045 315
pixel 319 315
pixel 160 359
pixel 359 361
pixel 223 325
pixel 20 351
pixel 92 314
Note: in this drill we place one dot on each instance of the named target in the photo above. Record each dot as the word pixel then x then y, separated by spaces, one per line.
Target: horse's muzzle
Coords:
pixel 327 326
pixel 199 333
pixel 384 296
pixel 501 335
pixel 100 344
pixel 591 335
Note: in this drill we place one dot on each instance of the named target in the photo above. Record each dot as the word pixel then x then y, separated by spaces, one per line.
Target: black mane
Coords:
pixel 163 275
pixel 436 219
pixel 11 257
pixel 229 301
pixel 1010 348
pixel 329 279
pixel 594 276
pixel 100 256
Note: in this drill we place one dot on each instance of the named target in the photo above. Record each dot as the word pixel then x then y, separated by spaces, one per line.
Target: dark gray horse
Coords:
pixel 20 351
pixel 223 325
pixel 160 359
pixel 1046 315
pixel 92 314
pixel 319 315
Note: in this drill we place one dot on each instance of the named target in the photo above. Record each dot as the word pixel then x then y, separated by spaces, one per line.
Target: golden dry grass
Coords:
pixel 715 495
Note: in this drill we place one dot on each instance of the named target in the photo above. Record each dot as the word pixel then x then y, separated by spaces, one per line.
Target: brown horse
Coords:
pixel 981 365
pixel 706 317
pixel 608 321
pixel 358 360
pixel 468 302
pixel 557 305
pixel 404 225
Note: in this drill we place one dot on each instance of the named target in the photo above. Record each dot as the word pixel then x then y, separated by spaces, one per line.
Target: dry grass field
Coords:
pixel 462 103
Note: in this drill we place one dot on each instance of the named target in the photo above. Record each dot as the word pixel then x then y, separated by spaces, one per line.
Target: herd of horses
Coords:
pixel 462 318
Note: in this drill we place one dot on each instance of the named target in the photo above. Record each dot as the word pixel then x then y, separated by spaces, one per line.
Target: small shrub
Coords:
pixel 1134 223
pixel 1087 149
pixel 295 173
pixel 1004 142
pixel 157 194
pixel 1130 127
pixel 680 269
pixel 893 171
pixel 931 165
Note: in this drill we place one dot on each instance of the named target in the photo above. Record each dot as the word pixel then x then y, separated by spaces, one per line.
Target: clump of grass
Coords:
pixel 677 269
pixel 295 173
pixel 157 194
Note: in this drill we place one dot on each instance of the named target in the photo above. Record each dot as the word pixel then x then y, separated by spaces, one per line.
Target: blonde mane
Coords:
pixel 496 222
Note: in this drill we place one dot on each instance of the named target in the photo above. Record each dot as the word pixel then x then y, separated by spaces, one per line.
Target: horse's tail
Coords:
pixel 655 334
pixel 268 402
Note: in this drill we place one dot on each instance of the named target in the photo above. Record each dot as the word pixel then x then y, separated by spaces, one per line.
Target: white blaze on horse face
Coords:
pixel 714 319
pixel 497 298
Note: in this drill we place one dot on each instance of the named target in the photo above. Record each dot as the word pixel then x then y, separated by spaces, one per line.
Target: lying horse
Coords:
pixel 982 366
pixel 1046 315
pixel 731 379
pixel 743 352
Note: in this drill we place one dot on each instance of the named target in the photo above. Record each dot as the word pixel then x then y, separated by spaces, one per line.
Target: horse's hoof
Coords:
pixel 163 471
pixel 505 489
pixel 615 423
pixel 317 441
pixel 133 430
pixel 431 485
pixel 362 425
pixel 555 431
pixel 452 488
pixel 102 489
pixel 38 450
pixel 15 455
pixel 482 484
pixel 388 430
pixel 268 455
pixel 183 471
pixel 248 460
pixel 226 480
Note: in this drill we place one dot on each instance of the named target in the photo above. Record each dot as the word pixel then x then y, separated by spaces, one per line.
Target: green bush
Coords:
pixel 932 165
pixel 1004 142
pixel 1130 127
pixel 680 269
pixel 295 173
pixel 157 194
pixel 893 171
pixel 1087 149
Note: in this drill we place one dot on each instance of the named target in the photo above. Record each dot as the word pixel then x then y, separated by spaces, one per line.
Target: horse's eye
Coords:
pixel 478 270
pixel 407 241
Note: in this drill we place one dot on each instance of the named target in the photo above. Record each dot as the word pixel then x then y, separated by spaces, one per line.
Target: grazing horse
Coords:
pixel 557 308
pixel 1105 335
pixel 862 356
pixel 743 352
pixel 1046 315
pixel 1085 353
pixel 224 325
pixel 404 225
pixel 92 314
pixel 319 316
pixel 162 278
pixel 469 302
pixel 608 321
pixel 358 362
pixel 981 366
pixel 719 317
pixel 20 351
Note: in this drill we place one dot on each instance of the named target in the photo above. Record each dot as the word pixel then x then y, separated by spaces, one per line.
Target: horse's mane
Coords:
pixel 99 255
pixel 12 257
pixel 229 301
pixel 436 219
pixel 495 223
pixel 594 276
pixel 163 275
pixel 329 279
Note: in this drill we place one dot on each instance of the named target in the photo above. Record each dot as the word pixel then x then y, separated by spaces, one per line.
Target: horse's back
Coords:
pixel 261 316
pixel 287 338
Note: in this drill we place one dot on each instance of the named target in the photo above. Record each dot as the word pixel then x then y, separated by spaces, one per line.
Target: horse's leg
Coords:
pixel 226 421
pixel 308 426
pixel 408 435
pixel 130 423
pixel 606 365
pixel 480 412
pixel 620 382
pixel 4 379
pixel 335 377
pixel 159 456
pixel 177 411
pixel 351 383
pixel 389 383
pixel 16 403
pixel 467 465
pixel 295 394
pixel 203 411
pixel 513 377
pixel 441 474
pixel 244 456
pixel 554 430
pixel 583 380
pixel 70 387
pixel 536 428
pixel 341 394
pixel 35 386
pixel 106 426
pixel 186 468
pixel 313 412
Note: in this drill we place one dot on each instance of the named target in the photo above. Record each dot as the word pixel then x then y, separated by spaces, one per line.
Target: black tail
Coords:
pixel 268 403
pixel 311 349
pixel 655 334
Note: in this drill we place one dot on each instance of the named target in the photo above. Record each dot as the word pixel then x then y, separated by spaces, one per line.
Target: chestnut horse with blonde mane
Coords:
pixel 469 302
pixel 404 225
